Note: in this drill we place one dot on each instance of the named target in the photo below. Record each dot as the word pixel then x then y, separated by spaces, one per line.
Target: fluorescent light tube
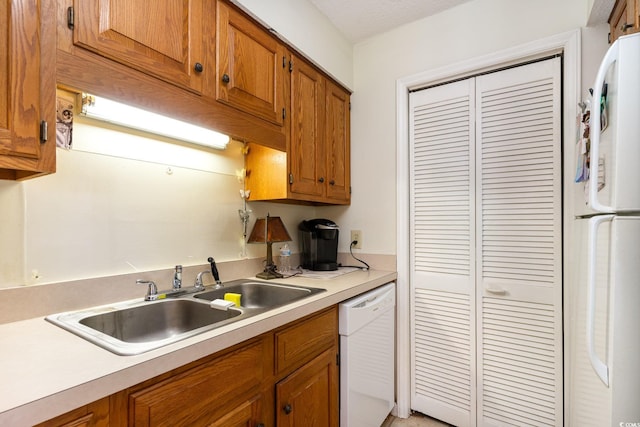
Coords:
pixel 114 112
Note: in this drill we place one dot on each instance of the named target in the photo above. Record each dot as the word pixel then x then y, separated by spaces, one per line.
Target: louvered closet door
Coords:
pixel 443 252
pixel 519 241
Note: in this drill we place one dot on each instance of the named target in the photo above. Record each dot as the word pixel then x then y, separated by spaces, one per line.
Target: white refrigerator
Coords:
pixel 602 302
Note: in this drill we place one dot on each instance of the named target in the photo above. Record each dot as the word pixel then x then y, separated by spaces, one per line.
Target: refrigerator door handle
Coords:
pixel 610 57
pixel 601 368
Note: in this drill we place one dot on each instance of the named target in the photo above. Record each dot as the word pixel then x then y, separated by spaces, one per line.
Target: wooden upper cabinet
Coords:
pixel 27 89
pixel 165 38
pixel 624 19
pixel 338 143
pixel 251 66
pixel 316 167
pixel 320 136
pixel 307 149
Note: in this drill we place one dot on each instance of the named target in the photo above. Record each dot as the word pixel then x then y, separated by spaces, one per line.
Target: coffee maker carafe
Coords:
pixel 319 239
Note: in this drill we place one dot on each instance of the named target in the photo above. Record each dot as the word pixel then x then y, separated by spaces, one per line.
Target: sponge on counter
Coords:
pixel 234 298
pixel 220 304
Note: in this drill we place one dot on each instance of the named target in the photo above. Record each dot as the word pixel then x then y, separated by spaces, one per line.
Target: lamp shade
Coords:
pixel 268 230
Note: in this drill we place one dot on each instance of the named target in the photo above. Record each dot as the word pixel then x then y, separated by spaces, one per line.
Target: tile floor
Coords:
pixel 415 420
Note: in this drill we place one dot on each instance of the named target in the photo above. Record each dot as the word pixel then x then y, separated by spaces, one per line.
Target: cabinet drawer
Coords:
pixel 298 344
pixel 202 394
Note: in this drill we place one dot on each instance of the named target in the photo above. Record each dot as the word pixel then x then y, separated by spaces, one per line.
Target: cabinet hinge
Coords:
pixel 284 113
pixel 291 66
pixel 349 189
pixel 70 18
pixel 290 178
pixel 284 61
pixel 44 128
pixel 337 359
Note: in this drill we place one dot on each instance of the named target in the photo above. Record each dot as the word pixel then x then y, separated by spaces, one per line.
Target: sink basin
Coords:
pixel 260 295
pixel 133 328
pixel 155 322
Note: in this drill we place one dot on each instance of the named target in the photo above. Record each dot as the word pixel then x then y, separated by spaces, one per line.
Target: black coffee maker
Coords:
pixel 319 239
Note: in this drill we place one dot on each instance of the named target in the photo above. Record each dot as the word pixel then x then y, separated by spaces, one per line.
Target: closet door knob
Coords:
pixel 287 409
pixel 321 180
pixel 225 78
pixel 198 67
pixel 332 182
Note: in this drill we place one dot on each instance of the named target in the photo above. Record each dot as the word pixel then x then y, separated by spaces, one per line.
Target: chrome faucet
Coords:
pixel 152 290
pixel 198 283
pixel 177 278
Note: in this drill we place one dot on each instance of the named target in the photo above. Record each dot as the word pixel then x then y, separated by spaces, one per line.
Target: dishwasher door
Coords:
pixel 367 357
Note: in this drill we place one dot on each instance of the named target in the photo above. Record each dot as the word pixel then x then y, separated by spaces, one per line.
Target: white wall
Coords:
pixel 163 203
pixel 468 31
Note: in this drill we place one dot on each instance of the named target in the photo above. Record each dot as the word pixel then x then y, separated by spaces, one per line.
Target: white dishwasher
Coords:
pixel 367 357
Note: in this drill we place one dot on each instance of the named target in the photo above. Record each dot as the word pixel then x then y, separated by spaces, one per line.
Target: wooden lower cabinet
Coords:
pixel 309 396
pixel 95 414
pixel 248 385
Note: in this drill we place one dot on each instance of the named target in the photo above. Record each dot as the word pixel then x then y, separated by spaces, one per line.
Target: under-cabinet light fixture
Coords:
pixel 117 113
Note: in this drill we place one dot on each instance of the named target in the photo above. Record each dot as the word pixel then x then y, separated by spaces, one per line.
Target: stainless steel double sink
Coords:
pixel 134 327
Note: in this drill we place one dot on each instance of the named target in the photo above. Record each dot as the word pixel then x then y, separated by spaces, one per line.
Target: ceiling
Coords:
pixel 360 19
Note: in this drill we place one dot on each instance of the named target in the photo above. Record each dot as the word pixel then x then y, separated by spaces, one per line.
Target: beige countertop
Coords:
pixel 47 371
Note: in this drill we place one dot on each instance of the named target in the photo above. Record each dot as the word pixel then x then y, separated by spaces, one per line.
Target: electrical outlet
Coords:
pixel 356 235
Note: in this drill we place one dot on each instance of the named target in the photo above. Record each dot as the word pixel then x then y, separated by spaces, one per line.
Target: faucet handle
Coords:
pixel 177 278
pixel 152 290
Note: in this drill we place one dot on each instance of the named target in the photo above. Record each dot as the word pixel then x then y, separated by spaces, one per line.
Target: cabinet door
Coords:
pixel 337 142
pixel 307 151
pixel 309 396
pixel 95 414
pixel 27 97
pixel 251 67
pixel 164 39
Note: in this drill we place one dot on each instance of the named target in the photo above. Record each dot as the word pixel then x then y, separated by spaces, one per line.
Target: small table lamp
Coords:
pixel 269 230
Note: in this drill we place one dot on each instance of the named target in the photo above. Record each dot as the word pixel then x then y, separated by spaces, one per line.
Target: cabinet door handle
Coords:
pixel 287 409
pixel 198 67
pixel 625 27
pixel 332 182
pixel 225 78
pixel 321 180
